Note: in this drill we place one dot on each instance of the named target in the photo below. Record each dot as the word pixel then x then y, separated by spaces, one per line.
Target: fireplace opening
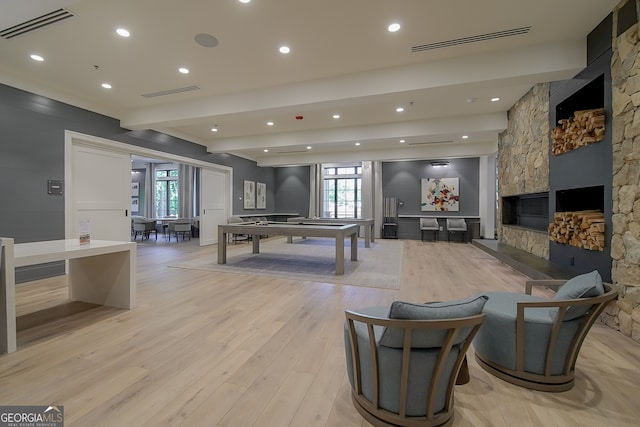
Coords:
pixel 526 210
pixel 580 199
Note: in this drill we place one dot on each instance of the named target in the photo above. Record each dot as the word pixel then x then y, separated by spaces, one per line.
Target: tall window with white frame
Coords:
pixel 342 192
pixel 166 192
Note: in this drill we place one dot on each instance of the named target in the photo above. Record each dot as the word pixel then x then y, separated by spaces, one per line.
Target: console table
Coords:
pixel 100 272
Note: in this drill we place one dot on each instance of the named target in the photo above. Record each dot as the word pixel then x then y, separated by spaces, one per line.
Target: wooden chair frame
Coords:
pixel 371 410
pixel 547 381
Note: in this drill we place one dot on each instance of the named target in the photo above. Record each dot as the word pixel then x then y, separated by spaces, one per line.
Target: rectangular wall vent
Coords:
pixel 170 91
pixel 36 23
pixel 471 39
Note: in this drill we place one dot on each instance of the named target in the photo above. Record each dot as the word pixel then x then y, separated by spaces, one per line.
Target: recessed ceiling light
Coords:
pixel 393 27
pixel 269 123
pixel 215 129
pixel 37 58
pixel 266 150
pixel 284 49
pixel 106 85
pixel 183 70
pixel 122 32
pixel 308 147
pixel 336 116
pixel 357 143
pixel 402 141
pixel 496 99
pixel 465 136
pixel 244 1
pixel 400 109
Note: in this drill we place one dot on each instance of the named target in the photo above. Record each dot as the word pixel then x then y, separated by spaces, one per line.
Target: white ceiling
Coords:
pixel 342 60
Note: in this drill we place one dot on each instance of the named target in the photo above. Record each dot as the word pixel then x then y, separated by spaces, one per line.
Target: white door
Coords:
pixel 101 193
pixel 212 205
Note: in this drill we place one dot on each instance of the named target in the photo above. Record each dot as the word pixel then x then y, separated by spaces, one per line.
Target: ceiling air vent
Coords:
pixel 170 91
pixel 36 23
pixel 425 143
pixel 471 39
pixel 292 152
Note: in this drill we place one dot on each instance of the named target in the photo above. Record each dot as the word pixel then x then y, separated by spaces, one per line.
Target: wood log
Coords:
pixel 584 229
pixel 585 127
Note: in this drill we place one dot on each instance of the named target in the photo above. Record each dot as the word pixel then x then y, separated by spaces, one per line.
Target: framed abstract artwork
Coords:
pixel 261 195
pixel 440 194
pixel 249 195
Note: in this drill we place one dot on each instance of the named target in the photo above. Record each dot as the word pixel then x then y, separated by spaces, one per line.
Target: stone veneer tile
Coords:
pixel 625 243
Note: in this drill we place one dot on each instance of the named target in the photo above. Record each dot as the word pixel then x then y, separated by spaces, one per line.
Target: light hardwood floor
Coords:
pixel 219 349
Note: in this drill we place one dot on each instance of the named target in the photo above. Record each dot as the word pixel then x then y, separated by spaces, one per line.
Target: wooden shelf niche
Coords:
pixel 583 229
pixel 579 219
pixel 585 127
pixel 581 119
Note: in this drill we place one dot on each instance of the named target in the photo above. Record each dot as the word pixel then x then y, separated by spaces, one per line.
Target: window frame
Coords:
pixel 172 174
pixel 332 175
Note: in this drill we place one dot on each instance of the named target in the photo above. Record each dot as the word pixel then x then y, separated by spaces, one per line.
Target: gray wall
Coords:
pixel 292 192
pixel 403 180
pixel 250 172
pixel 32 152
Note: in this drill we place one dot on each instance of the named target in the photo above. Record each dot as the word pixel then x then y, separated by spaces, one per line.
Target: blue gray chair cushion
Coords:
pixel 582 286
pixel 393 337
pixel 496 340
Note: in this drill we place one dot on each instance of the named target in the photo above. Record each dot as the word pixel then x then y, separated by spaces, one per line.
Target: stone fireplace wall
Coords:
pixel 523 164
pixel 625 242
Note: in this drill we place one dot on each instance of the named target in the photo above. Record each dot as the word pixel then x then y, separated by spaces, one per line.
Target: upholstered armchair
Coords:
pixel 534 342
pixel 144 227
pixel 456 225
pixel 429 224
pixel 180 226
pixel 235 237
pixel 403 361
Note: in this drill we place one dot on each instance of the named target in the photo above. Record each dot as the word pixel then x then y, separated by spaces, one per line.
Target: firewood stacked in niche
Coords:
pixel 584 229
pixel 585 127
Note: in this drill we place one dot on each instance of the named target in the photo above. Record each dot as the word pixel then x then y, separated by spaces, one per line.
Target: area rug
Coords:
pixel 312 259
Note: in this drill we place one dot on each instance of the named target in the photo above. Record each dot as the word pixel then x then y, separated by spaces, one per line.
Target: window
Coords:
pixel 166 199
pixel 342 192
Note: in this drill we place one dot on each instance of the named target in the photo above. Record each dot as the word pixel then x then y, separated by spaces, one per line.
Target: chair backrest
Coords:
pixel 429 224
pixel 182 226
pixel 234 220
pixel 581 326
pixel 380 378
pixel 139 226
pixel 456 224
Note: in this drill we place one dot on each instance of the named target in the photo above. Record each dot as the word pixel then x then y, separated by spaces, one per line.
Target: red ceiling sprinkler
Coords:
pixel 299 117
